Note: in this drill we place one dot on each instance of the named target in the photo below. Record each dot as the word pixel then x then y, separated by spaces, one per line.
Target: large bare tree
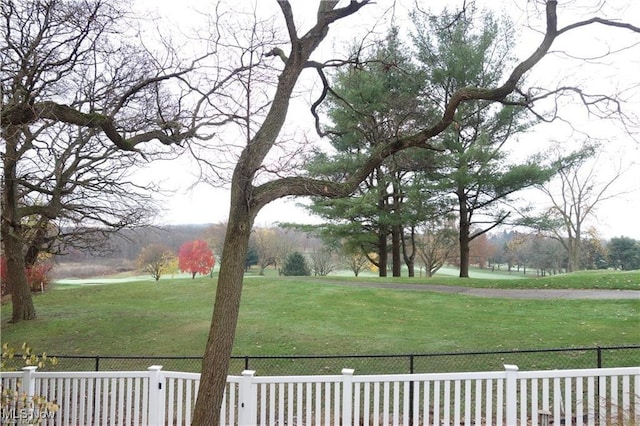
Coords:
pixel 573 198
pixel 69 65
pixel 435 244
pixel 74 190
pixel 250 191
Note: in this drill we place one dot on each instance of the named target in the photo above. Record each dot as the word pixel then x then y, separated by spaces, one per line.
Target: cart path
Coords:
pixel 534 293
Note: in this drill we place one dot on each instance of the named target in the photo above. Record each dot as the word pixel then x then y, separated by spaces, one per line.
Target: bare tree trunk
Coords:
pixel 411 269
pixel 464 235
pixel 396 229
pixel 464 256
pixel 382 252
pixel 37 241
pixel 430 270
pixel 383 229
pixel 395 250
pixel 409 258
pixel 574 252
pixel 215 363
pixel 22 302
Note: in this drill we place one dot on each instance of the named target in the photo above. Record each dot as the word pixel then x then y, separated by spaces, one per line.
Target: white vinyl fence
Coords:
pixel 608 396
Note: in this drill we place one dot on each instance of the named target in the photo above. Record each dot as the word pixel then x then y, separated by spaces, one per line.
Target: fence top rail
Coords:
pixel 486 375
pixel 591 372
pixel 182 375
pixel 297 379
pixel 80 374
pixel 489 375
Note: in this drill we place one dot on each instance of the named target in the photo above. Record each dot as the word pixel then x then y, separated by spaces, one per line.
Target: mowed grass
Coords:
pixel 602 280
pixel 309 317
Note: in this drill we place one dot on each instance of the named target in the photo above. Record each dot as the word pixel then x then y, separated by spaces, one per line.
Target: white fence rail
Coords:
pixel 608 396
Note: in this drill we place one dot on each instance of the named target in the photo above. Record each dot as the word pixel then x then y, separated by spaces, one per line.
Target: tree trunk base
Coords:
pixel 25 311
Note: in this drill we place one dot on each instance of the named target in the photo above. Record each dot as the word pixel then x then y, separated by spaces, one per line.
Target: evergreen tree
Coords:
pixel 469 49
pixel 624 253
pixel 251 258
pixel 378 100
pixel 295 266
pixel 387 97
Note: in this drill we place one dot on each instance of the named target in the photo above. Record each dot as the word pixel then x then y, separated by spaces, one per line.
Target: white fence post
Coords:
pixel 511 388
pixel 248 399
pixel 28 380
pixel 29 384
pixel 156 395
pixel 347 396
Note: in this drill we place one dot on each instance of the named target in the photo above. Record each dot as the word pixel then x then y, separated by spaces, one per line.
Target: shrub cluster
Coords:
pixel 38 276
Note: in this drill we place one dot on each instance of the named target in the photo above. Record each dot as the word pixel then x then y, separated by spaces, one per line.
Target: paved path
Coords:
pixel 498 292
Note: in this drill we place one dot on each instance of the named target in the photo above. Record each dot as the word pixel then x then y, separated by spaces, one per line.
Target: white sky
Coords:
pixel 619 216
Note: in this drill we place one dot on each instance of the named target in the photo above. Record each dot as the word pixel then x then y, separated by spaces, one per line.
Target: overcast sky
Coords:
pixel 619 216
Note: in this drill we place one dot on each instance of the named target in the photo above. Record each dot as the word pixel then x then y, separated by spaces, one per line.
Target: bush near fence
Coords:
pixel 535 359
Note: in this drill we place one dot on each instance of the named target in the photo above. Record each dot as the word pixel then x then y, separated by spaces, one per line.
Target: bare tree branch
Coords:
pixel 601 21
pixel 285 6
pixel 306 186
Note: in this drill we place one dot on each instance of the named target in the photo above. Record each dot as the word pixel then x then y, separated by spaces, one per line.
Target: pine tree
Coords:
pixel 295 266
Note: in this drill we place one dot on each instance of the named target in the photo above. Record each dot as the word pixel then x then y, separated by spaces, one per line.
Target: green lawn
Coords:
pixel 304 316
pixel 612 280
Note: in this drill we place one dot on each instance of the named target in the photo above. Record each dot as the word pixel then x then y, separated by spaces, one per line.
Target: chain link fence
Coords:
pixel 539 359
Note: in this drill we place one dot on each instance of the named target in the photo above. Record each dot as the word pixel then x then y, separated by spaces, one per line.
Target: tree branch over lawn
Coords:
pixel 296 186
pixel 301 186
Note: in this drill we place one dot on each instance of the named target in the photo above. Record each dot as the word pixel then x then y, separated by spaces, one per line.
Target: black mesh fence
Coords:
pixel 547 359
pixel 543 359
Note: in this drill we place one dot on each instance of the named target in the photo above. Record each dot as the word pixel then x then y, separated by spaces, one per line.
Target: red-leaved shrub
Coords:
pixel 37 276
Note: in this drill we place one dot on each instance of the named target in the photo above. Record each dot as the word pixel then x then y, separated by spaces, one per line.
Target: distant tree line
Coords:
pixel 436 246
pixel 544 255
pixel 128 243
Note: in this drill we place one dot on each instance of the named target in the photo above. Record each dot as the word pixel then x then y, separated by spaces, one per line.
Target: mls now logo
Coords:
pixel 25 415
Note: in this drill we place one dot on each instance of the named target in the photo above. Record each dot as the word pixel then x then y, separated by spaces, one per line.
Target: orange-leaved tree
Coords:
pixel 196 257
